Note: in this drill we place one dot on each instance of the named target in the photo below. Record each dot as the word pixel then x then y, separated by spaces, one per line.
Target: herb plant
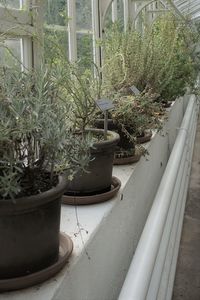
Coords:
pixel 81 89
pixel 36 138
pixel 160 59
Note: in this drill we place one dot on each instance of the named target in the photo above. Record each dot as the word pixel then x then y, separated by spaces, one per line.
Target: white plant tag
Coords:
pixel 135 90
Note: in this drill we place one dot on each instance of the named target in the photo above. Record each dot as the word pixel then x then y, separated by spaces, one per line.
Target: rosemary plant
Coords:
pixel 81 89
pixel 160 59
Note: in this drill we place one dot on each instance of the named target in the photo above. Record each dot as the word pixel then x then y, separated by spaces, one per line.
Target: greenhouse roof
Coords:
pixel 187 7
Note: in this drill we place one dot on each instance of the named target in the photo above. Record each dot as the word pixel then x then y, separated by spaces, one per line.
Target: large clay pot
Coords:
pixel 29 232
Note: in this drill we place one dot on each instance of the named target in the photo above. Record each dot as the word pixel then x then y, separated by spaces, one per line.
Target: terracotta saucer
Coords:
pixel 93 199
pixel 126 160
pixel 144 139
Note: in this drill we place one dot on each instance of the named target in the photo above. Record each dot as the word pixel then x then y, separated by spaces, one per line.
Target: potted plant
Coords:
pixel 35 143
pixel 81 90
pixel 159 60
pixel 133 118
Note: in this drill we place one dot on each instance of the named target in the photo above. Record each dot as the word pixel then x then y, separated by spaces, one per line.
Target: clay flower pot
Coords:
pixel 29 232
pixel 98 177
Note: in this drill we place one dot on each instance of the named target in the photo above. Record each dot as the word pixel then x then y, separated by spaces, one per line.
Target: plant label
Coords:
pixel 104 104
pixel 135 90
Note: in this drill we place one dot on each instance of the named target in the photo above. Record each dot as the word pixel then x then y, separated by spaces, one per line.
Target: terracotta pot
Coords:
pixel 29 232
pixel 98 177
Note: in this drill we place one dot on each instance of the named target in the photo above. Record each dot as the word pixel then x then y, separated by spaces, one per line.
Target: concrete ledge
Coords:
pixel 105 235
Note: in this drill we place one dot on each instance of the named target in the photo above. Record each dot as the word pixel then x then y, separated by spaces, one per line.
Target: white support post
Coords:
pixel 38 39
pixel 153 8
pixel 132 13
pixel 96 28
pixel 147 17
pixel 126 14
pixel 71 5
pixel 114 11
pixel 138 21
pixel 26 45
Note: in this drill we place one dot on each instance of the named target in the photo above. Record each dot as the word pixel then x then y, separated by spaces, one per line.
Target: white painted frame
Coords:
pixel 72 38
pixel 26 25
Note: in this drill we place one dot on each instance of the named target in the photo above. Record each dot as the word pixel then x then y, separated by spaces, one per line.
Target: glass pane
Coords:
pixel 84 32
pixel 83 14
pixel 55 44
pixel 10 53
pixel 108 17
pixel 84 49
pixel 56 12
pixel 55 31
pixel 120 15
pixel 120 11
pixel 11 3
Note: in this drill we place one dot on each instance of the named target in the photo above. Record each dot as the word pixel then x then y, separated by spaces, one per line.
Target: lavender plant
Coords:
pixel 36 138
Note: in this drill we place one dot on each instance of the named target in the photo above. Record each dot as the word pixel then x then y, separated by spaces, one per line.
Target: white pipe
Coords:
pixel 139 275
pixel 170 223
pixel 170 268
pixel 172 219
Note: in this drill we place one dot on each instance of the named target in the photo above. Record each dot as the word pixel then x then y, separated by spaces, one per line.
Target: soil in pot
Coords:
pixel 29 232
pixel 98 177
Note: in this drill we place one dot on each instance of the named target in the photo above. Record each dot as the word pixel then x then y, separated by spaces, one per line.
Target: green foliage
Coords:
pixel 55 12
pixel 55 45
pixel 83 14
pixel 160 59
pixel 121 52
pixel 169 66
pixel 10 3
pixel 35 133
pixel 81 89
pixel 135 114
pixel 84 49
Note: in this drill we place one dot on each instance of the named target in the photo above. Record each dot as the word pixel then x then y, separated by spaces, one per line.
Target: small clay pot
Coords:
pixel 98 177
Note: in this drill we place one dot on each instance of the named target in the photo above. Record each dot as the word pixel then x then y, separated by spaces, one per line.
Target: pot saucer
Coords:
pixel 93 199
pixel 126 160
pixel 65 250
pixel 144 139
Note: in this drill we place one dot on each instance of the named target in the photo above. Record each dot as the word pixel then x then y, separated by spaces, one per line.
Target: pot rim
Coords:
pixel 31 202
pixel 113 141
